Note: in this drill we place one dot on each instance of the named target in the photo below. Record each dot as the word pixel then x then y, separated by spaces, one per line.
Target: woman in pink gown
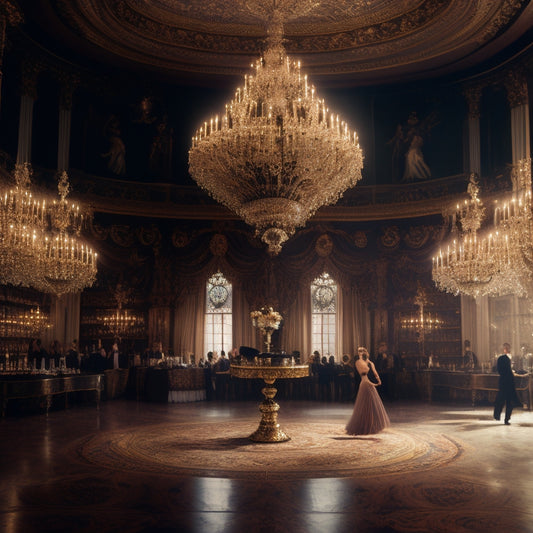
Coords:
pixel 369 415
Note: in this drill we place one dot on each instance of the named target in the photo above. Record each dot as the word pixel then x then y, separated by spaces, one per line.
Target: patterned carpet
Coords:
pixel 212 449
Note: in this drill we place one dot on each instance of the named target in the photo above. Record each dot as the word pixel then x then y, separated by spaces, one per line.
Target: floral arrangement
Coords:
pixel 265 318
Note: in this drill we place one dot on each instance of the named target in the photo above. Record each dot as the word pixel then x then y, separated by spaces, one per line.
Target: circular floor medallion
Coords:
pixel 222 449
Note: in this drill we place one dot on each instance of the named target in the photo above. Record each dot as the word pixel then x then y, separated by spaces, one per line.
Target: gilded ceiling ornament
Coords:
pixel 218 245
pixel 360 239
pixel 391 237
pixel 324 245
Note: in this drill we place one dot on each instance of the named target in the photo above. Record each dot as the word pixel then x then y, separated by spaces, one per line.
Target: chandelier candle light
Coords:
pixel 277 153
pixel 266 320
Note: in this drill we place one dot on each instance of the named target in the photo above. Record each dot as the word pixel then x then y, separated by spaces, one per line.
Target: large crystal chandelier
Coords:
pixel 493 262
pixel 40 245
pixel 277 153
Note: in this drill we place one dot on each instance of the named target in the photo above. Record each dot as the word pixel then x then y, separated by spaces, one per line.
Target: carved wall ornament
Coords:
pixel 122 235
pixel 324 245
pixel 98 231
pixel 391 237
pixel 180 239
pixel 360 239
pixel 218 245
pixel 417 236
pixel 149 236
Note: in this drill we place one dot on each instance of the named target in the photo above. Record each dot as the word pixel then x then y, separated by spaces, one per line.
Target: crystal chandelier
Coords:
pixel 39 240
pixel 22 225
pixel 493 262
pixel 277 153
pixel 122 322
pixel 514 216
pixel 68 263
pixel 421 321
pixel 23 324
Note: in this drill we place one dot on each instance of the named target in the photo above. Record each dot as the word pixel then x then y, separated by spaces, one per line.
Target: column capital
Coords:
pixel 30 71
pixel 68 82
pixel 516 85
pixel 11 13
pixel 472 94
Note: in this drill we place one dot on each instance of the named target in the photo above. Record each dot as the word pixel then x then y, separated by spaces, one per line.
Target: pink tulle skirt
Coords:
pixel 369 415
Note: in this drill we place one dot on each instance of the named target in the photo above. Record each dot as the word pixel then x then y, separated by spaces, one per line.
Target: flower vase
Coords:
pixel 268 338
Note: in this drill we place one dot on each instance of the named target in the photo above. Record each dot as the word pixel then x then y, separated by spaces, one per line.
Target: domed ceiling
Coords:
pixel 339 42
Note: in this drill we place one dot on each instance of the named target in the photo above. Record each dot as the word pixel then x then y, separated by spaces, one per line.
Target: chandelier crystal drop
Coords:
pixel 277 153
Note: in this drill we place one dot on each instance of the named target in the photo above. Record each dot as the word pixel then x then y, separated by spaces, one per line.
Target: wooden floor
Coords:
pixel 488 488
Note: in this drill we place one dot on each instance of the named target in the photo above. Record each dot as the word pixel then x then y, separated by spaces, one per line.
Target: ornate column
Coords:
pixel 29 74
pixel 517 94
pixel 475 323
pixel 9 14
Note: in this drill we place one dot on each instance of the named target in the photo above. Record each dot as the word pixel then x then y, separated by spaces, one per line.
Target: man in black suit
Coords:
pixel 506 387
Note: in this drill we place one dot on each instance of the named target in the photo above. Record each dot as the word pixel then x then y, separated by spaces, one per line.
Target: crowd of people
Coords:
pixel 97 359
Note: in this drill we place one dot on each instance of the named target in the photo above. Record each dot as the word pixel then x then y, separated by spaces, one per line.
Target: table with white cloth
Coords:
pixel 186 385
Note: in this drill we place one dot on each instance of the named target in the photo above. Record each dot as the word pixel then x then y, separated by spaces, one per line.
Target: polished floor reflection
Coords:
pixel 65 472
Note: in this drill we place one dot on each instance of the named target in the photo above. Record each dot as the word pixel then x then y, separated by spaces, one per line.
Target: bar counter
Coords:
pixel 472 387
pixel 31 392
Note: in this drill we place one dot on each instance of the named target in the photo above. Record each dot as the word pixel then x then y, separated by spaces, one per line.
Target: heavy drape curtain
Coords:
pixel 244 334
pixel 296 334
pixel 353 322
pixel 189 323
pixel 65 317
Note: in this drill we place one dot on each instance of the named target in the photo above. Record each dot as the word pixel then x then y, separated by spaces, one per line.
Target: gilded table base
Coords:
pixel 269 430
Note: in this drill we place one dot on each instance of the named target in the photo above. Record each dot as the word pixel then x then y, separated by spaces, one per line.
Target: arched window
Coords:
pixel 324 315
pixel 218 315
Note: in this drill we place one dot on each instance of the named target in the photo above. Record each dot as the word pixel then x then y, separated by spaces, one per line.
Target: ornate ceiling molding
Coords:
pixel 364 41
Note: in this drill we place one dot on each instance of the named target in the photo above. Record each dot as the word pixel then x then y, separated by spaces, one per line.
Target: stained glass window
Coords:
pixel 218 315
pixel 324 315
